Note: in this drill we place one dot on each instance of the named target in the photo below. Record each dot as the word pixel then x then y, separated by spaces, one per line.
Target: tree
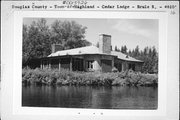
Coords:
pixel 36 40
pixel 38 37
pixel 155 58
pixel 69 34
pixel 145 52
pixel 116 49
pixel 25 40
pixel 124 49
pixel 136 51
pixel 149 56
pixel 129 53
pixel 97 44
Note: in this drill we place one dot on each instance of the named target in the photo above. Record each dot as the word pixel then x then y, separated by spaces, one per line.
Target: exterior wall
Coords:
pixel 97 65
pixel 96 62
pixel 106 65
pixel 118 64
pixel 138 66
pixel 126 65
pixel 122 64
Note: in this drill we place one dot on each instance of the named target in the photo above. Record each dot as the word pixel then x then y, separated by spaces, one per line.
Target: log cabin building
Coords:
pixel 89 58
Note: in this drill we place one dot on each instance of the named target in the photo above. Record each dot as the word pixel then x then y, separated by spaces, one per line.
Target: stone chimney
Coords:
pixel 56 47
pixel 105 43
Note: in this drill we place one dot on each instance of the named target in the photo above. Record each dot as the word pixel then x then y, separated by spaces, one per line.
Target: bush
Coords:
pixel 65 77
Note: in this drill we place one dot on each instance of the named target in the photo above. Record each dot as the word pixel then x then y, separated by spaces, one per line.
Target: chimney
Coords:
pixel 56 47
pixel 105 43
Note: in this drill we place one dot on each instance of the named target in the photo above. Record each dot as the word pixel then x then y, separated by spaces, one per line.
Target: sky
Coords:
pixel 129 32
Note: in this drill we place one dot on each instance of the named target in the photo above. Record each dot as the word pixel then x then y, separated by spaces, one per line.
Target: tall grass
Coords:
pixel 65 77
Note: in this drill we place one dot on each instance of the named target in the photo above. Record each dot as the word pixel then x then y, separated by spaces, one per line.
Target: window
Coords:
pixel 118 66
pixel 89 64
pixel 132 66
pixel 55 63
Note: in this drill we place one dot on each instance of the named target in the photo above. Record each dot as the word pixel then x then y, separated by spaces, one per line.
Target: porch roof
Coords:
pixel 78 51
pixel 122 56
pixel 92 50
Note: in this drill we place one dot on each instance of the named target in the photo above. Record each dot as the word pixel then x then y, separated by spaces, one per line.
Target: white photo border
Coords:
pixel 12 68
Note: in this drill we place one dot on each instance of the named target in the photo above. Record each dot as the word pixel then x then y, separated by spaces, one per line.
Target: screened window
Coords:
pixel 45 64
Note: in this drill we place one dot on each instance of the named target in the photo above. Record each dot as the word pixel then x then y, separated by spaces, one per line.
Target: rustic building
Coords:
pixel 90 58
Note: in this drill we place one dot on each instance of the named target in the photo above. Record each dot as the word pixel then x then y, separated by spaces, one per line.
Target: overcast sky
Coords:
pixel 129 32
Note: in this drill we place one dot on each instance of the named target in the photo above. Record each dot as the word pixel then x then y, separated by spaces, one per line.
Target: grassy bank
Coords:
pixel 64 77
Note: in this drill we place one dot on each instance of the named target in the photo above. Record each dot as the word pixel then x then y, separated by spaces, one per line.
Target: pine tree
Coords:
pixel 115 49
pixel 148 55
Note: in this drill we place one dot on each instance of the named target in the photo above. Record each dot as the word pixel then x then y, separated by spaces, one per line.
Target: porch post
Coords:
pixel 50 63
pixel 127 65
pixel 81 64
pixel 124 66
pixel 41 65
pixel 59 64
pixel 113 62
pixel 84 64
pixel 70 63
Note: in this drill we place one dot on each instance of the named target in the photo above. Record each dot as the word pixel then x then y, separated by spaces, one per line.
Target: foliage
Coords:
pixel 65 77
pixel 69 34
pixel 97 44
pixel 148 55
pixel 38 37
pixel 124 49
pixel 117 49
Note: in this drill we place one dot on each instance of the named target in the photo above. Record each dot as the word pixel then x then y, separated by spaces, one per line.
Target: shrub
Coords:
pixel 65 77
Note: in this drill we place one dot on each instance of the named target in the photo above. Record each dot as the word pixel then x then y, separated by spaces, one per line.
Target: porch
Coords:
pixel 72 63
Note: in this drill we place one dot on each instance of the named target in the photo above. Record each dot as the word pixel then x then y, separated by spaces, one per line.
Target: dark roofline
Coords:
pixel 76 55
pixel 132 61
